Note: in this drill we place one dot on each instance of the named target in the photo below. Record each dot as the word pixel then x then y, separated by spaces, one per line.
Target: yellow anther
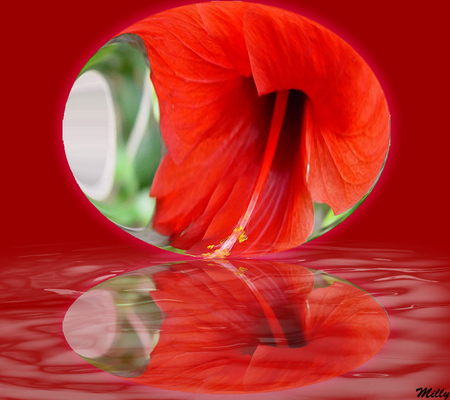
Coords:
pixel 221 253
pixel 211 246
pixel 242 237
pixel 241 271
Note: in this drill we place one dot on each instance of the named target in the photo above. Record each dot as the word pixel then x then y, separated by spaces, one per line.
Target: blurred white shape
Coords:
pixel 90 324
pixel 89 134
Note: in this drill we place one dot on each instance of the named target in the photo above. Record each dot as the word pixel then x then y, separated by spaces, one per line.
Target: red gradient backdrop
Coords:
pixel 46 48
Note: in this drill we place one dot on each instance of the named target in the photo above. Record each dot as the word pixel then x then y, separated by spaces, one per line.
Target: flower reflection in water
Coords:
pixel 226 327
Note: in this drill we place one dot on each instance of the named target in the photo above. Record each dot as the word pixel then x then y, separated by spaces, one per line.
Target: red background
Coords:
pixel 46 47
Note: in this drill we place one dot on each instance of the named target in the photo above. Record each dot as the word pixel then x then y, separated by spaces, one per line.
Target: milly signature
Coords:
pixel 425 392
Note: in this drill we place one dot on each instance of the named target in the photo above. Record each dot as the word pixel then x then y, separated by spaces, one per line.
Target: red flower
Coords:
pixel 253 327
pixel 262 112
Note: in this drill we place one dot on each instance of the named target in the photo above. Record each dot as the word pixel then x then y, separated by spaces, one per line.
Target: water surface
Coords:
pixel 37 288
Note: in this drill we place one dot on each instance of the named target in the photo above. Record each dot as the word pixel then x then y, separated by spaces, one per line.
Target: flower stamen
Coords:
pixel 275 327
pixel 276 124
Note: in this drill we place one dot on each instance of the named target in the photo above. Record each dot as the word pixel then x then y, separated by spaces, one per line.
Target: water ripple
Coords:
pixel 37 289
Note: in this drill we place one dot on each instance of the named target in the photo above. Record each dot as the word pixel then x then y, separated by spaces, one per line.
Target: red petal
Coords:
pixel 347 132
pixel 346 328
pixel 200 372
pixel 187 295
pixel 224 23
pixel 191 193
pixel 191 74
